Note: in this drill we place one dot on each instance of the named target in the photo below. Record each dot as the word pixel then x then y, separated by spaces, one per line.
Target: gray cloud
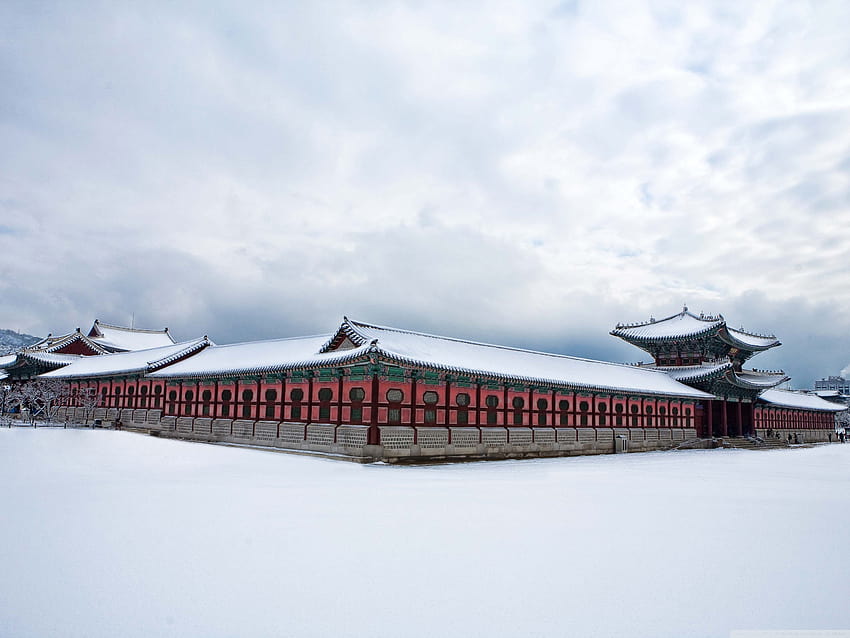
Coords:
pixel 529 174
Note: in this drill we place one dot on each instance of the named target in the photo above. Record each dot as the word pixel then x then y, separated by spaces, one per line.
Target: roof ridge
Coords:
pixel 554 355
pixel 682 313
pixel 277 340
pixel 751 334
pixel 126 329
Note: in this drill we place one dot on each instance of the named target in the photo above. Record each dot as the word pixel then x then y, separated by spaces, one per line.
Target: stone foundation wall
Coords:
pixel 433 443
pixel 801 436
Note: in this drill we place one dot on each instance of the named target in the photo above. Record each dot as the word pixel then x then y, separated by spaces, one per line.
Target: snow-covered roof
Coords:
pixel 683 324
pixel 821 393
pixel 756 379
pixel 7 360
pixel 799 400
pixel 695 373
pixel 262 357
pixel 51 358
pixel 115 338
pixel 750 340
pixel 502 362
pixel 357 341
pixel 127 362
pixel 52 344
pixel 688 325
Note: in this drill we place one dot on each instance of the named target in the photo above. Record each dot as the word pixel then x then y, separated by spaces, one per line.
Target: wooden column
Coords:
pixel 373 412
pixel 505 406
pixel 478 403
pixel 448 408
pixel 339 400
pixel 710 416
pixel 413 407
pixel 724 421
pixel 309 400
pixel 740 429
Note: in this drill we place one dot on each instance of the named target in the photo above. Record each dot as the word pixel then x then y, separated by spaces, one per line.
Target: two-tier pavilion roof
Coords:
pixel 686 331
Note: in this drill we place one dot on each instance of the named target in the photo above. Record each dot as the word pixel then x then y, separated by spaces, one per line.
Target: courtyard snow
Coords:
pixel 116 534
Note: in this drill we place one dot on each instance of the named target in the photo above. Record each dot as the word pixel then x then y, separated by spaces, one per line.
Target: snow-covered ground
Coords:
pixel 116 534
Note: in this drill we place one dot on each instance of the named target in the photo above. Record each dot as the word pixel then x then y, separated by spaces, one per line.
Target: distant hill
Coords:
pixel 11 340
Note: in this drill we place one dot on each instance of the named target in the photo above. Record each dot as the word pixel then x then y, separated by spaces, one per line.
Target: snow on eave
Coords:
pixel 197 346
pixel 56 359
pixel 738 339
pixel 346 329
pixel 626 331
pixel 696 373
pixel 139 363
pixel 60 342
pixel 752 380
pixel 799 401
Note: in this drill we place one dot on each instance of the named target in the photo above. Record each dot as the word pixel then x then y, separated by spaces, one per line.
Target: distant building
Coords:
pixel 839 384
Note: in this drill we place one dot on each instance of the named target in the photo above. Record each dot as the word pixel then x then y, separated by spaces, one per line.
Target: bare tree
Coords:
pixel 88 399
pixel 842 421
pixel 12 400
pixel 41 397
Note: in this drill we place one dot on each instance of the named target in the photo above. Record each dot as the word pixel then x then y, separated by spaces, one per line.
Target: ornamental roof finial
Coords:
pixel 684 308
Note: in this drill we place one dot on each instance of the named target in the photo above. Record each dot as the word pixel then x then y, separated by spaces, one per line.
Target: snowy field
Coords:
pixel 117 534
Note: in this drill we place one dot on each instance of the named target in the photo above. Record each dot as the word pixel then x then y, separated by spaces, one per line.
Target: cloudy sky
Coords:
pixel 529 173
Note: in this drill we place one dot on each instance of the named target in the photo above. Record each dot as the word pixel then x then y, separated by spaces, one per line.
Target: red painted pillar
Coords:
pixel 309 401
pixel 373 416
pixel 724 421
pixel 740 411
pixel 413 407
pixel 709 430
pixel 339 400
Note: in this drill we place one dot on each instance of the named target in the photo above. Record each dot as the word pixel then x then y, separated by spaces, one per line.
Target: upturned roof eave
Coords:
pixel 729 339
pixel 736 380
pixel 633 338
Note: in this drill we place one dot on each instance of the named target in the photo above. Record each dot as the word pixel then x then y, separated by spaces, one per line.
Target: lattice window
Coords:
pixel 492 403
pixel 395 397
pixel 430 398
pixel 247 397
pixel 518 403
pixel 226 397
pixel 462 400
pixel 325 396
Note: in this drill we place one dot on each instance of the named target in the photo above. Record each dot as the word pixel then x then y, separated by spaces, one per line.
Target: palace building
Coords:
pixel 52 352
pixel 371 392
pixel 704 352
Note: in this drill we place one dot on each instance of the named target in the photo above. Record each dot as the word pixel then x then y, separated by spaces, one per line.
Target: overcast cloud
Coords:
pixel 529 173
